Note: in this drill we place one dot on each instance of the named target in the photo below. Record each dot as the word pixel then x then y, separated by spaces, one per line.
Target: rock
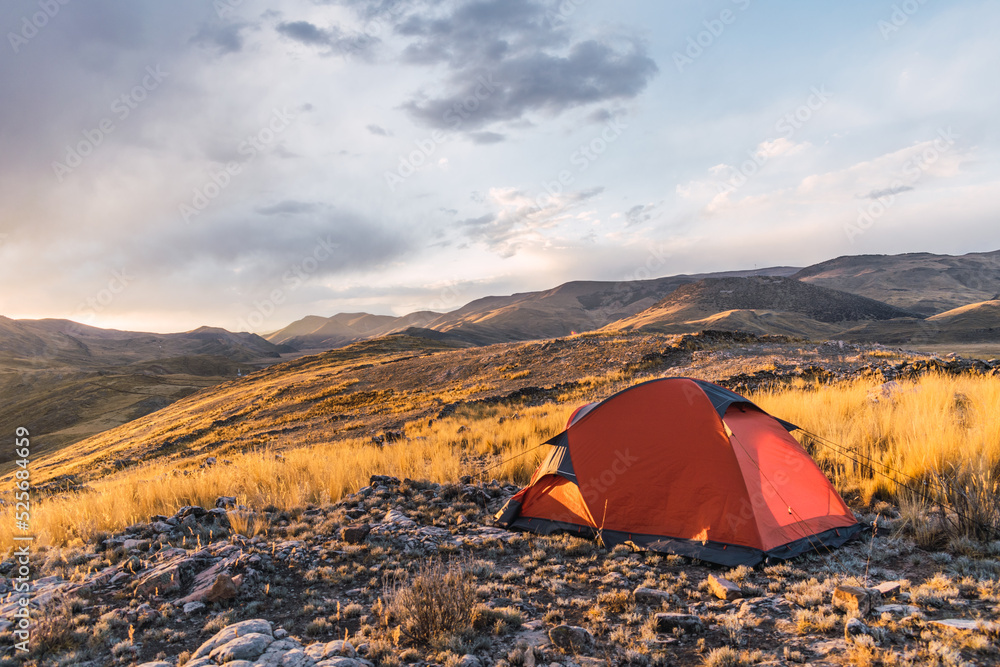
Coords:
pixel 166 578
pixel 340 647
pixel 223 589
pixel 855 628
pixel 614 579
pixel 193 511
pixel 158 663
pixel 141 545
pixel 225 501
pixel 888 589
pixel 853 597
pixel 355 534
pixel 686 622
pixel 902 609
pixel 651 596
pixel 966 625
pixel 245 647
pixel 469 660
pixel 571 638
pixel 399 519
pixel 226 634
pixel 723 588
pixel 193 607
pixel 162 527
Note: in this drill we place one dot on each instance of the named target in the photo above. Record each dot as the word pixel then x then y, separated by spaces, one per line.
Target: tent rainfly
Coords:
pixel 686 467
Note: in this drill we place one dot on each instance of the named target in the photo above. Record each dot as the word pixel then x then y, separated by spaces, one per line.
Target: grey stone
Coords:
pixel 469 660
pixel 245 647
pixel 669 622
pixel 855 628
pixel 230 632
pixel 903 609
pixel 966 624
pixel 651 596
pixel 193 607
pixel 571 638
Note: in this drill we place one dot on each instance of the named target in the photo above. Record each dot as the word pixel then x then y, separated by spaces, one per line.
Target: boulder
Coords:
pixel 355 534
pixel 245 647
pixel 571 638
pixel 723 588
pixel 670 622
pixel 194 607
pixel 854 598
pixel 230 632
pixel 651 596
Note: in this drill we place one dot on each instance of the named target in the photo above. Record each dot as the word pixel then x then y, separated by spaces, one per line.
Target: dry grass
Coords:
pixel 438 602
pixel 316 474
pixel 937 427
pixel 938 437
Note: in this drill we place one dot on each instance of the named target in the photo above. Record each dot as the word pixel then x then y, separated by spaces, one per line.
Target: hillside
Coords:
pixel 572 307
pixel 924 283
pixel 67 381
pixel 762 304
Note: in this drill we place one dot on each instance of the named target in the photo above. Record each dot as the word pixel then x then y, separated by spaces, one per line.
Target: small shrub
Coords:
pixel 439 601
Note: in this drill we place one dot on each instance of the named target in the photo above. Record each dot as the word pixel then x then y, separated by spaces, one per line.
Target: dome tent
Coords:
pixel 683 466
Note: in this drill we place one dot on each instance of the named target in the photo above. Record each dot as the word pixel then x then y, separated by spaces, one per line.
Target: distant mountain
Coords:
pixel 760 304
pixel 569 308
pixel 34 342
pixel 920 282
pixel 65 381
pixel 313 332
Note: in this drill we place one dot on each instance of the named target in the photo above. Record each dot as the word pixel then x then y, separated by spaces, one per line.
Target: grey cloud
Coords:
pixel 334 39
pixel 259 251
pixel 225 38
pixel 639 213
pixel 486 137
pixel 505 60
pixel 378 130
pixel 288 207
pixel 886 192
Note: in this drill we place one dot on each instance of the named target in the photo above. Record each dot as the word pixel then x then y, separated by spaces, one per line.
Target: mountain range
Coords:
pixel 71 381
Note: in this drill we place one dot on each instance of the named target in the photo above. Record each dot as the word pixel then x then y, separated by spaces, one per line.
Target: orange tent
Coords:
pixel 687 467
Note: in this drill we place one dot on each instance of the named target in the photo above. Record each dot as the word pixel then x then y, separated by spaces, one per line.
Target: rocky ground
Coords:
pixel 334 586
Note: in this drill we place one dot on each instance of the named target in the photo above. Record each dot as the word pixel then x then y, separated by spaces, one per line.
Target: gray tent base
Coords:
pixel 728 555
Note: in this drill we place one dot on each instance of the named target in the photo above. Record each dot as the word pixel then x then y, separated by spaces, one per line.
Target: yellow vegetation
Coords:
pixel 934 426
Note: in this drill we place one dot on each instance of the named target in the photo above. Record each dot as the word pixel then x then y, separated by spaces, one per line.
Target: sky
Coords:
pixel 245 163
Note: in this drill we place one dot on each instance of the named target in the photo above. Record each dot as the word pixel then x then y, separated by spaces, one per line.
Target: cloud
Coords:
pixel 378 130
pixel 520 219
pixel 886 192
pixel 639 213
pixel 288 207
pixel 505 60
pixel 333 39
pixel 486 137
pixel 224 38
